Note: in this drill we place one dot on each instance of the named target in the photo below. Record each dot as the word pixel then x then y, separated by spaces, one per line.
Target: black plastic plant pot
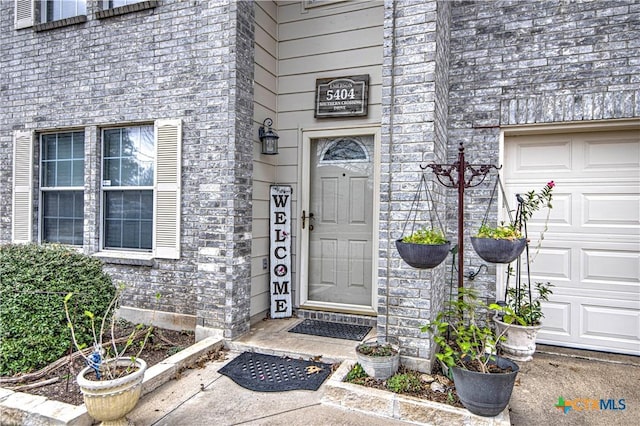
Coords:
pixel 423 256
pixel 486 394
pixel 498 250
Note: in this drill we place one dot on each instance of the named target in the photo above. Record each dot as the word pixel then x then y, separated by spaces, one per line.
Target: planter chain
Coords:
pixel 461 175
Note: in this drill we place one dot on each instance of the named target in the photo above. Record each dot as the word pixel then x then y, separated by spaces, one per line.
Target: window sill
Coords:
pixel 124 258
pixel 45 26
pixel 143 5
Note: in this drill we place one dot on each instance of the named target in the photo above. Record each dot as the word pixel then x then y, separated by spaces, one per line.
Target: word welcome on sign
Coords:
pixel 342 97
pixel 280 250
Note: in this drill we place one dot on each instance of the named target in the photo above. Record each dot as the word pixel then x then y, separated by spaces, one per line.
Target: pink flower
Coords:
pixel 551 184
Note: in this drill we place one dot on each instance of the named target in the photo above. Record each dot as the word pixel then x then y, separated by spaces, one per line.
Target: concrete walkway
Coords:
pixel 204 397
pixel 201 396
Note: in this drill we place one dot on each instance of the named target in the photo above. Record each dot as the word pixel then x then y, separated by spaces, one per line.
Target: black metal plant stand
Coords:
pixel 461 175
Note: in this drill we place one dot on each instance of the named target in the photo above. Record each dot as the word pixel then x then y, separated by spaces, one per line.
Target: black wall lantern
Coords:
pixel 268 137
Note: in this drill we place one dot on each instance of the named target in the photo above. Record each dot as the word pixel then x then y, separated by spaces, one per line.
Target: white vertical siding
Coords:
pixel 338 39
pixel 264 166
pixel 294 47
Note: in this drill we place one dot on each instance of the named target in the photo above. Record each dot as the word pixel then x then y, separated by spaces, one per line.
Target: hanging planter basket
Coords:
pixel 498 250
pixel 426 248
pixel 423 256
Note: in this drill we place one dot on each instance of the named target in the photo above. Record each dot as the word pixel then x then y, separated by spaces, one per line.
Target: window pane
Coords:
pixel 112 172
pixel 49 147
pixel 125 226
pixel 113 234
pixel 49 173
pixel 77 178
pixel 129 156
pixel 78 145
pixel 63 217
pixel 112 143
pixel 58 168
pixel 64 146
pixel 63 173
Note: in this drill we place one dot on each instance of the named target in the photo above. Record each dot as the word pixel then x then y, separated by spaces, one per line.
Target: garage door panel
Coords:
pixel 539 156
pixel 591 250
pixel 611 210
pixel 596 322
pixel 557 319
pixel 551 264
pixel 611 266
pixel 605 154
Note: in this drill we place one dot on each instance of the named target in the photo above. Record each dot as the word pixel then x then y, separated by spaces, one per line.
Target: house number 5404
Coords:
pixel 340 94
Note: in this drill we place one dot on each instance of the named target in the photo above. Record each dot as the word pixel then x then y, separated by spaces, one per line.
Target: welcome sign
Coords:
pixel 280 250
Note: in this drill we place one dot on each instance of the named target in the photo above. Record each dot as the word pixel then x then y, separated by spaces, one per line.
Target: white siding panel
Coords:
pixel 335 21
pixel 348 40
pixel 343 60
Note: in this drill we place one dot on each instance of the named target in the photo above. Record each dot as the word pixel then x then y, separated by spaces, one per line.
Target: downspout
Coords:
pixel 391 115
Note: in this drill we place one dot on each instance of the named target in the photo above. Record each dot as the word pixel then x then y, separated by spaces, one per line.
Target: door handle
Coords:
pixel 305 217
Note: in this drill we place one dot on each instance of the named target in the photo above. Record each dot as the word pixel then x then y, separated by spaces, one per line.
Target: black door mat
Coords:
pixel 269 373
pixel 332 329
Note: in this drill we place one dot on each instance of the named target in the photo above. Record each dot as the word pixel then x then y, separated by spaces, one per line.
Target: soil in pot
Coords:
pixel 379 360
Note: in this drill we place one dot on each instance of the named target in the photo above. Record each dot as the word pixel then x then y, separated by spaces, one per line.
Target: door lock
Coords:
pixel 305 217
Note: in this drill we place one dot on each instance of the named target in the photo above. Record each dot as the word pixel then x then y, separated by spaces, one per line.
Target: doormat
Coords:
pixel 269 373
pixel 331 329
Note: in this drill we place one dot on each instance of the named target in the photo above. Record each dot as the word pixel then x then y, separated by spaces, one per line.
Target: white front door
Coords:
pixel 338 220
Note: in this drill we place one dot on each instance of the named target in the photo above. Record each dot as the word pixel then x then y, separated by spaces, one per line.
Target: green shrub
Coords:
pixel 356 372
pixel 404 382
pixel 34 280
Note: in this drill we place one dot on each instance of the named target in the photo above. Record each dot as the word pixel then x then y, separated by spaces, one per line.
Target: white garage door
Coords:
pixel 591 251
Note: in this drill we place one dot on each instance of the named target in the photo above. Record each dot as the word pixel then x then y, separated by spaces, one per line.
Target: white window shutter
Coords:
pixel 24 13
pixel 166 214
pixel 21 223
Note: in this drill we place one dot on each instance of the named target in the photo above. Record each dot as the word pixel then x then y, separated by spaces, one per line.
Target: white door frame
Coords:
pixel 304 191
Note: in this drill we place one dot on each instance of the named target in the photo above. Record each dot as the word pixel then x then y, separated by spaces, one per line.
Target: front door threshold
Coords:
pixel 339 308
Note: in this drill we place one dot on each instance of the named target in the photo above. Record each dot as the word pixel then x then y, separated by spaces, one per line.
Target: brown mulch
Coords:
pixel 450 397
pixel 60 382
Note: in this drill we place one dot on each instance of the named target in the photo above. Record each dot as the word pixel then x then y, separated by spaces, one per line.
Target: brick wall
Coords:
pixel 413 133
pixel 186 60
pixel 522 62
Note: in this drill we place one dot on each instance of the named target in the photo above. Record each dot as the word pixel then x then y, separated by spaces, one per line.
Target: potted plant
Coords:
pixel 503 244
pixel 423 249
pixel 379 360
pixel 520 321
pixel 111 383
pixel 483 380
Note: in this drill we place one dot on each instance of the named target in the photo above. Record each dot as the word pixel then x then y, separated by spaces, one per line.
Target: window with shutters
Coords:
pixel 127 187
pixel 62 187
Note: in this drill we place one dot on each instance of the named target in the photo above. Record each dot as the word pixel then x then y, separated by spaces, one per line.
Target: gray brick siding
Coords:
pixel 186 60
pixel 522 62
